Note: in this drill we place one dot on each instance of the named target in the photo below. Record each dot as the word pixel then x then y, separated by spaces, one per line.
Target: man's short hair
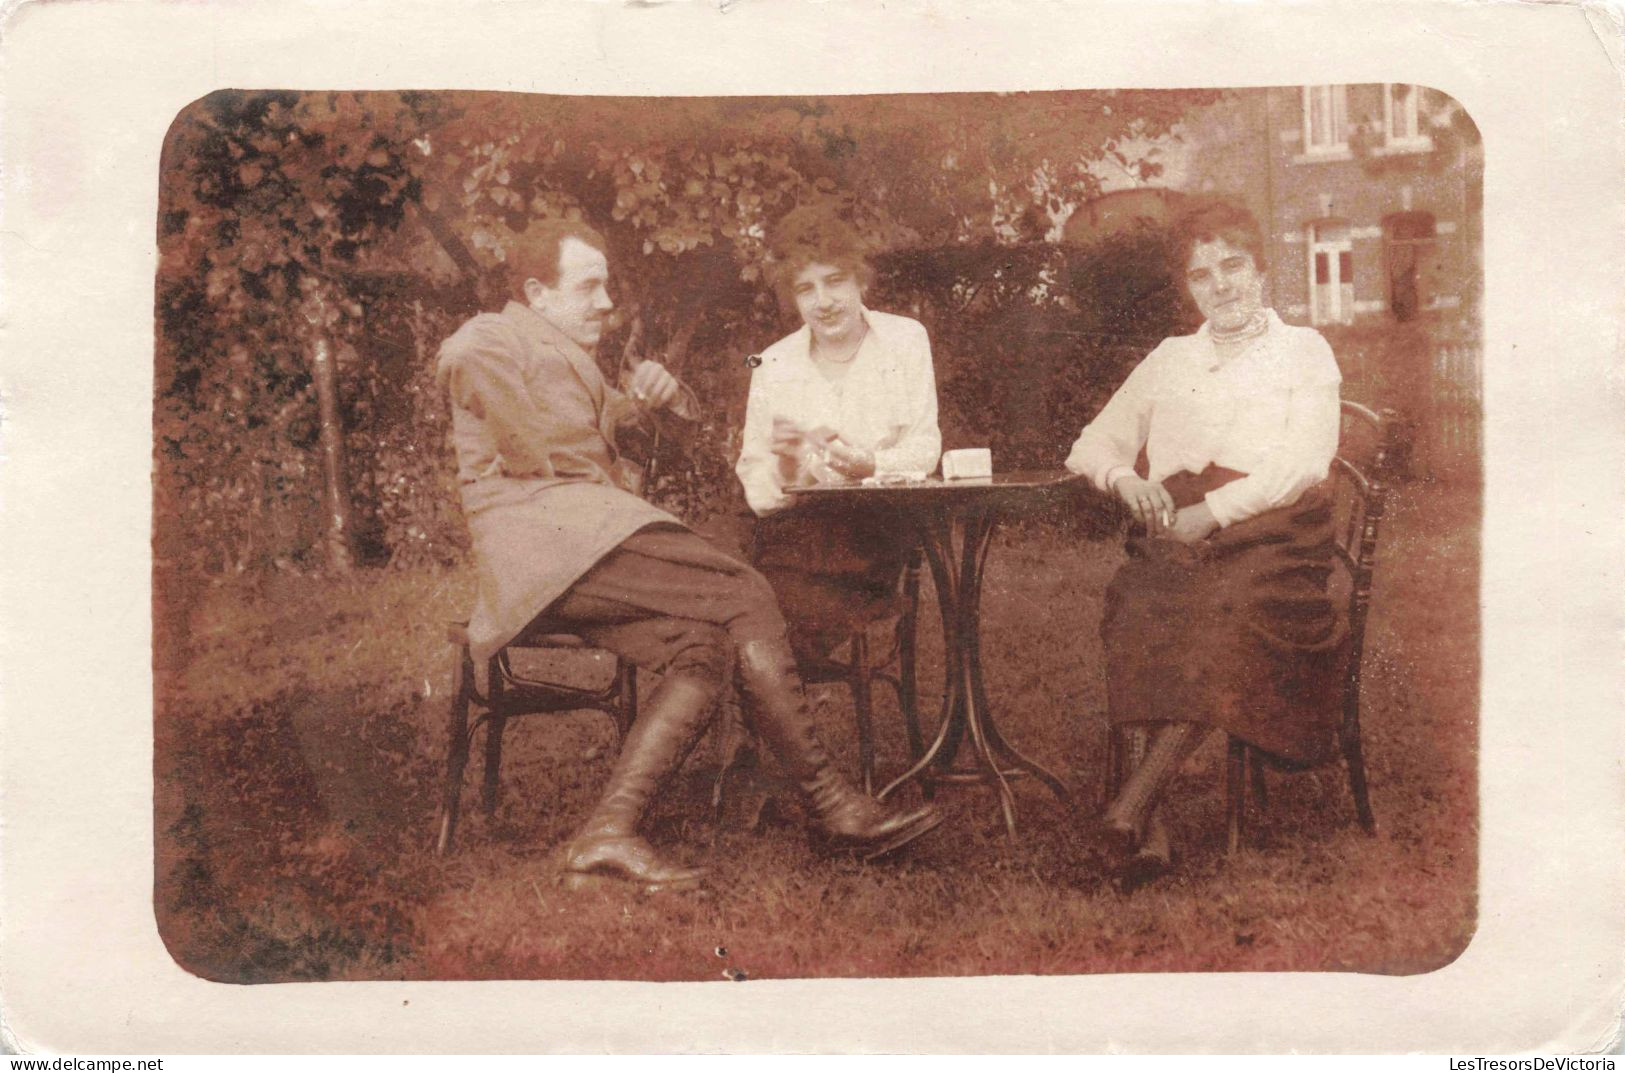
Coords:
pixel 535 252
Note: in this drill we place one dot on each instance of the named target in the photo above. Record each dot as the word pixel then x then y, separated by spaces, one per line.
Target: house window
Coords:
pixel 1400 118
pixel 1325 119
pixel 1407 239
pixel 1331 273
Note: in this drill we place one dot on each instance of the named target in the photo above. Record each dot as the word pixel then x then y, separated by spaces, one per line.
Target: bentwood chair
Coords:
pixel 498 692
pixel 504 689
pixel 893 664
pixel 858 663
pixel 1359 476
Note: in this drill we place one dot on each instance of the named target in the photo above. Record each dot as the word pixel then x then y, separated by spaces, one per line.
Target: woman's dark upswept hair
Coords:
pixel 1214 219
pixel 814 235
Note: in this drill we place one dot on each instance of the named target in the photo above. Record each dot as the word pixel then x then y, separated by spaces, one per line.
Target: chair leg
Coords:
pixel 908 696
pixel 732 744
pixel 456 750
pixel 1114 766
pixel 1255 767
pixel 625 706
pixel 1126 747
pixel 1354 757
pixel 1235 795
pixel 495 724
pixel 491 786
pixel 861 709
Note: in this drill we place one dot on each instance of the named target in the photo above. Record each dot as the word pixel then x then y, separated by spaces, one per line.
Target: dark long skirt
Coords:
pixel 832 569
pixel 1238 632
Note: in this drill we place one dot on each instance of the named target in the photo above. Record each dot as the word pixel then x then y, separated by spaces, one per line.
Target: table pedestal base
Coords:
pixel 955 541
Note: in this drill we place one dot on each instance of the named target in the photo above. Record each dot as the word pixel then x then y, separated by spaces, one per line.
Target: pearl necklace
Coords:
pixel 1255 327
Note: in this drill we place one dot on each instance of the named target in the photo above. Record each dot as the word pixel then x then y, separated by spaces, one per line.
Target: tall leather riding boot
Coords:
pixel 1133 829
pixel 608 846
pixel 847 821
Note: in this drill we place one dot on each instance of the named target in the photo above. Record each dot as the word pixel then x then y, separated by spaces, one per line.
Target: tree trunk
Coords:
pixel 477 280
pixel 336 498
pixel 681 340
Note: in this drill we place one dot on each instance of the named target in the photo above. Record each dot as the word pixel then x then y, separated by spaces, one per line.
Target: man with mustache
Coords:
pixel 559 536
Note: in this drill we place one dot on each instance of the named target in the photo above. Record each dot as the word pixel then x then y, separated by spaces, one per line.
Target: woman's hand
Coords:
pixel 786 438
pixel 1148 501
pixel 849 460
pixel 1193 524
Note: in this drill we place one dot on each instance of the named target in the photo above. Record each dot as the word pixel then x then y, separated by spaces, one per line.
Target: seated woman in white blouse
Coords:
pixel 850 394
pixel 1221 618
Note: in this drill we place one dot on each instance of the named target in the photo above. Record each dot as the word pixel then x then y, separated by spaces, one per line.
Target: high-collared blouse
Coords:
pixel 1270 412
pixel 886 403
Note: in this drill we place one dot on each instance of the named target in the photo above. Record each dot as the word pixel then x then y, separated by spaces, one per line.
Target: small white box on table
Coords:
pixel 967 462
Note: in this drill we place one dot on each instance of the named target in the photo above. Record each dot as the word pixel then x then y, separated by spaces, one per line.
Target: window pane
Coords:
pixel 1345 266
pixel 1325 116
pixel 1402 111
pixel 1322 268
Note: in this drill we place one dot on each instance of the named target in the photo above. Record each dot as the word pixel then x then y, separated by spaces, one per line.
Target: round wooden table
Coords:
pixel 955 521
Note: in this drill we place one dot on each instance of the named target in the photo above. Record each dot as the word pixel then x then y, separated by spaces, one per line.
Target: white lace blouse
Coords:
pixel 1270 412
pixel 886 403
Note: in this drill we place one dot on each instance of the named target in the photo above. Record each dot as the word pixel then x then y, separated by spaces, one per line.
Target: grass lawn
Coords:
pixel 299 741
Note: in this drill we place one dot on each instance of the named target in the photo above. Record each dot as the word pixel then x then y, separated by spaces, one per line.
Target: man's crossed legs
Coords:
pixel 668 600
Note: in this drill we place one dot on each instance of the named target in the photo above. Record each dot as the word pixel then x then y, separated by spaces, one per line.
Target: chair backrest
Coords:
pixel 1360 474
pixel 638 473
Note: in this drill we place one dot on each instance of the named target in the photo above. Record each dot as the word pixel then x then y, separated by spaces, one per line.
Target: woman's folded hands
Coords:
pixel 1154 508
pixel 1148 501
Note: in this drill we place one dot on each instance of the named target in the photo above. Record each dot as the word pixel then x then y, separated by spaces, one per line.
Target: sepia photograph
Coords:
pixel 564 527
pixel 555 577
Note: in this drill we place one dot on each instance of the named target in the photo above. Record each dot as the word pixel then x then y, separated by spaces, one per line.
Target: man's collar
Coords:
pixel 523 314
pixel 528 320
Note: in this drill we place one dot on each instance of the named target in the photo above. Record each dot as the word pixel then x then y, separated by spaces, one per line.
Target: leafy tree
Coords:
pixel 363 226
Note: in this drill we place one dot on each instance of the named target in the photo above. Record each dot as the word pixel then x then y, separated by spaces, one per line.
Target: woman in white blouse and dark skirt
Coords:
pixel 1219 444
pixel 850 394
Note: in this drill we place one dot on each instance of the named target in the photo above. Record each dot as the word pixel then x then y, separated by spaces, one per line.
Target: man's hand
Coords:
pixel 1149 501
pixel 652 386
pixel 1193 524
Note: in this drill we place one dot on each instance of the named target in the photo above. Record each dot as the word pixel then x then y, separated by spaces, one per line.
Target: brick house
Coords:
pixel 1371 199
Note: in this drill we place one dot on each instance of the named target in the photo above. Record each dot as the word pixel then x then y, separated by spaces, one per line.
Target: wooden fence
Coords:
pixel 1451 439
pixel 1435 382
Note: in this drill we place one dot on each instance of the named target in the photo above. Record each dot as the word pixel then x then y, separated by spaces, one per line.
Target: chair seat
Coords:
pixel 492 692
pixel 457 634
pixel 549 640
